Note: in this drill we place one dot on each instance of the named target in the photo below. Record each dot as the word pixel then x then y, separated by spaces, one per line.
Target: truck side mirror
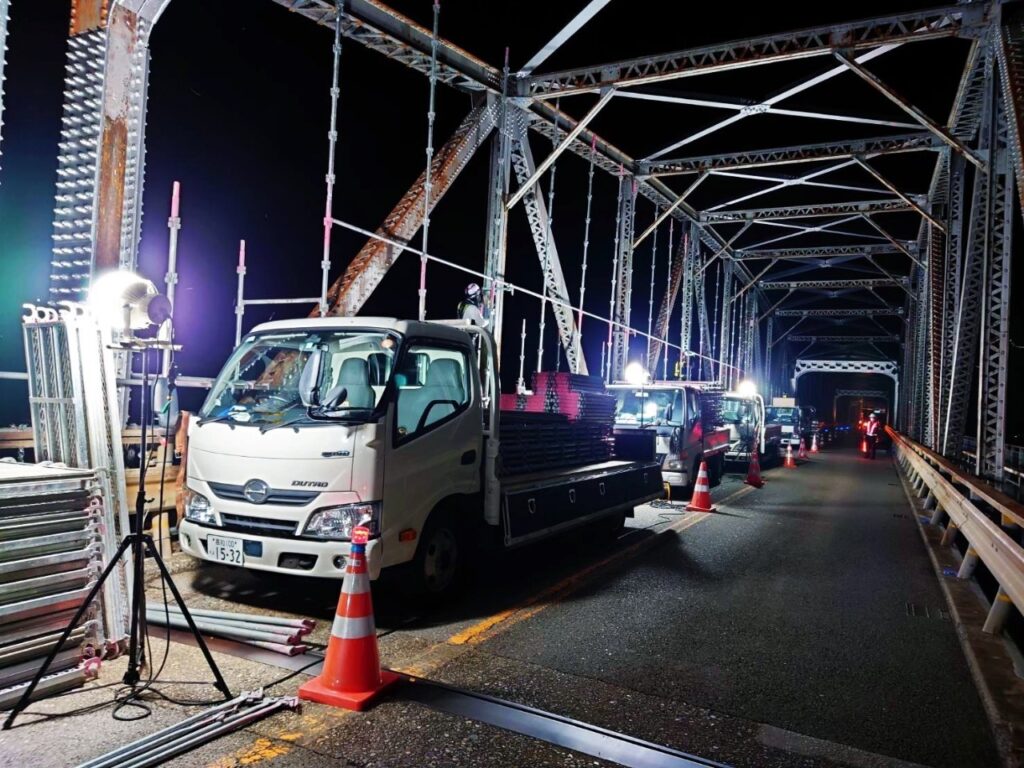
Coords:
pixel 309 379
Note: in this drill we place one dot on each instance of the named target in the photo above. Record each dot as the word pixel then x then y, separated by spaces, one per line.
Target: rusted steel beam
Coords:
pixel 87 15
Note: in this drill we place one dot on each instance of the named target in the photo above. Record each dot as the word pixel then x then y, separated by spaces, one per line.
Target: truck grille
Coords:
pixel 258 526
pixel 276 496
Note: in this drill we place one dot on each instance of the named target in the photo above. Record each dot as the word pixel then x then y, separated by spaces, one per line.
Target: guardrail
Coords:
pixel 951 492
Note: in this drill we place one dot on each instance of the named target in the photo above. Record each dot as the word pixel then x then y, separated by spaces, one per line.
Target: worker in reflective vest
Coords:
pixel 871 434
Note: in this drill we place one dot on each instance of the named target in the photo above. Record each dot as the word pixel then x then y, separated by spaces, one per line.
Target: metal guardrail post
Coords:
pixel 970 562
pixel 998 613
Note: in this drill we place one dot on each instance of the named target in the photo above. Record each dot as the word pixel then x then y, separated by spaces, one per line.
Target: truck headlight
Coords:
pixel 673 465
pixel 336 523
pixel 198 509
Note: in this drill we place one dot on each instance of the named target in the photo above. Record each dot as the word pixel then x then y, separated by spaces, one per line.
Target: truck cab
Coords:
pixel 673 411
pixel 315 426
pixel 745 416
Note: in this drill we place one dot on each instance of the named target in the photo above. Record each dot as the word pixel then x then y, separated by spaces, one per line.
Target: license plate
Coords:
pixel 225 550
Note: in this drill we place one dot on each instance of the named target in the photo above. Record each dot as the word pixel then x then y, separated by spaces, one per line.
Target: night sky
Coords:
pixel 238 113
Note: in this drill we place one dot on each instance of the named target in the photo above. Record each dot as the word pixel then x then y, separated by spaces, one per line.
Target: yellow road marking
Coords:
pixel 552 594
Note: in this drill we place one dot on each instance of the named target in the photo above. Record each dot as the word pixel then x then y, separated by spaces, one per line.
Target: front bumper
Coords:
pixel 296 557
pixel 675 478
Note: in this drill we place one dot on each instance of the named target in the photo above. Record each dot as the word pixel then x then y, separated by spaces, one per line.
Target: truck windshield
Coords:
pixel 259 383
pixel 647 406
pixel 777 415
pixel 735 411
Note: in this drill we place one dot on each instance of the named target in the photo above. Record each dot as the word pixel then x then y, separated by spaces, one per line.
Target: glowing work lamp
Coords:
pixel 127 302
pixel 636 375
pixel 747 388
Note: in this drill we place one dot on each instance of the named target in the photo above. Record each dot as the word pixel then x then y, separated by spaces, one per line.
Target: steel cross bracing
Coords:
pixel 821 41
pixel 349 292
pixel 1010 57
pixel 803 153
pixel 812 210
pixel 4 6
pixel 823 253
pixel 829 285
pixel 547 253
pixel 841 312
pixel 882 367
pixel 851 339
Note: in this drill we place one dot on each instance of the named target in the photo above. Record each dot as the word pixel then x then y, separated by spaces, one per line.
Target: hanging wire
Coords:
pixel 521 383
pixel 427 185
pixel 612 319
pixel 586 248
pixel 548 236
pixel 332 142
pixel 650 300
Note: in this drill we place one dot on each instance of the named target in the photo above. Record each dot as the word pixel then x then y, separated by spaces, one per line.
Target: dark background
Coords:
pixel 238 112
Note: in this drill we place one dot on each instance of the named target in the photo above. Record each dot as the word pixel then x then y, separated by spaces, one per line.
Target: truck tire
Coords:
pixel 715 472
pixel 611 526
pixel 439 561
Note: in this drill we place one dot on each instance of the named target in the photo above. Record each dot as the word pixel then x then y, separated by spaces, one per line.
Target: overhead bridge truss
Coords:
pixel 952 279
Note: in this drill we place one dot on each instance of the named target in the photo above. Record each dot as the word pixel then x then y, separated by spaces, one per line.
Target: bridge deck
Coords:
pixel 800 625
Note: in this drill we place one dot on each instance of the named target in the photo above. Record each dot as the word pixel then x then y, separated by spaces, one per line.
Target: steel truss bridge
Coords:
pixel 870 255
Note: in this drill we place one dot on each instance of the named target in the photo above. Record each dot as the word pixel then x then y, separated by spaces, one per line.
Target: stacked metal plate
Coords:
pixel 567 422
pixel 50 555
pixel 532 442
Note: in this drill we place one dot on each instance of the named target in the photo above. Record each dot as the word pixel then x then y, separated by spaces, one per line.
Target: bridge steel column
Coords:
pixel 98 210
pixel 973 270
pixel 624 277
pixel 547 253
pixel 681 262
pixel 725 324
pixel 496 245
pixel 993 362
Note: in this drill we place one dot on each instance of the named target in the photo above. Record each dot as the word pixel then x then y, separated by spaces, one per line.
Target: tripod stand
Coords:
pixel 139 543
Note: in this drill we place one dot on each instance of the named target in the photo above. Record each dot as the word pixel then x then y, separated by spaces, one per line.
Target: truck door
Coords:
pixel 434 433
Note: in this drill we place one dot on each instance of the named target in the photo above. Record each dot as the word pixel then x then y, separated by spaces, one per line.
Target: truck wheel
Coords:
pixel 439 556
pixel 715 472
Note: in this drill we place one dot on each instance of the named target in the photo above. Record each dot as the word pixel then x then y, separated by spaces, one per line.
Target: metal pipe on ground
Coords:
pixel 221 630
pixel 255 617
pixel 171 732
pixel 238 624
pixel 192 732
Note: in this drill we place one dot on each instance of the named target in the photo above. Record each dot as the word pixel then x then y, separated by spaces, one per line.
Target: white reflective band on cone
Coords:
pixel 355 584
pixel 353 628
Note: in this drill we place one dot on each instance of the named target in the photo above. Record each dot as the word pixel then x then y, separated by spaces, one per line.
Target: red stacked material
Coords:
pixel 581 398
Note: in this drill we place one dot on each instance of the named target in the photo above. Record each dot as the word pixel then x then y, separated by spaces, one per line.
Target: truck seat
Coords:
pixel 444 382
pixel 354 377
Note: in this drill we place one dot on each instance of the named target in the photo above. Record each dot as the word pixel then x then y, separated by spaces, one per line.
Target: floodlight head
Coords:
pixel 747 388
pixel 126 301
pixel 636 375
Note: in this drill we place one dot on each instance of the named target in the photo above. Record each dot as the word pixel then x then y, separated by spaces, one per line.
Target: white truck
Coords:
pixel 686 433
pixel 315 426
pixel 796 422
pixel 745 417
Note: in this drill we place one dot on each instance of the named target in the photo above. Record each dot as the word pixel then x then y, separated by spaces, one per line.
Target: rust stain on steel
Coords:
pixel 87 15
pixel 121 42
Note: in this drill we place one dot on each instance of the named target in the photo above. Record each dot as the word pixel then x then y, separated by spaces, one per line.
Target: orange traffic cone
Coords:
pixel 701 500
pixel 754 471
pixel 803 450
pixel 789 463
pixel 351 675
pixel 814 443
